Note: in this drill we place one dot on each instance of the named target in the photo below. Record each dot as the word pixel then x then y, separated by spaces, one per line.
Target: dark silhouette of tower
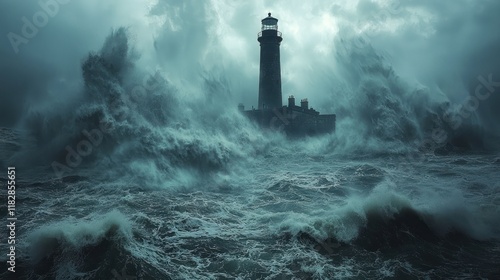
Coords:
pixel 270 69
pixel 294 120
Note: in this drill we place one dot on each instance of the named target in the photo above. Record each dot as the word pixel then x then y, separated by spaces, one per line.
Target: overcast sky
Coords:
pixel 442 46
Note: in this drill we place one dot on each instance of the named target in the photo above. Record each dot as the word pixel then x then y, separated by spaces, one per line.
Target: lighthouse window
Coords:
pixel 269 27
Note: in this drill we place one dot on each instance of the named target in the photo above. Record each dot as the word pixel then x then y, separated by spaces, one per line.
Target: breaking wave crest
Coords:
pixel 72 248
pixel 380 112
pixel 385 219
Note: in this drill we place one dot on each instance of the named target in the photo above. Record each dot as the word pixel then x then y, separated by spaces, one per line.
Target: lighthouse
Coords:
pixel 270 69
pixel 295 121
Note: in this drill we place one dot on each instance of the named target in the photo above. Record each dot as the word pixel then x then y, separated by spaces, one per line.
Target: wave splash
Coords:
pixel 130 122
pixel 384 219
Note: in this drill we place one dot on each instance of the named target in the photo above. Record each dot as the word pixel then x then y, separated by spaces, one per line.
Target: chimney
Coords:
pixel 304 103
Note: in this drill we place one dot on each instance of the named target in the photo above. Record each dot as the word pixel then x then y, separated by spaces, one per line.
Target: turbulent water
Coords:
pixel 186 188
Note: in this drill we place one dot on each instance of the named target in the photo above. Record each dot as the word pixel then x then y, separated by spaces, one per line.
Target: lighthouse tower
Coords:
pixel 270 69
pixel 293 120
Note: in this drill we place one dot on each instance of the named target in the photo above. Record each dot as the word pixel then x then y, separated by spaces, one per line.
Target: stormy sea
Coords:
pixel 114 167
pixel 133 181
